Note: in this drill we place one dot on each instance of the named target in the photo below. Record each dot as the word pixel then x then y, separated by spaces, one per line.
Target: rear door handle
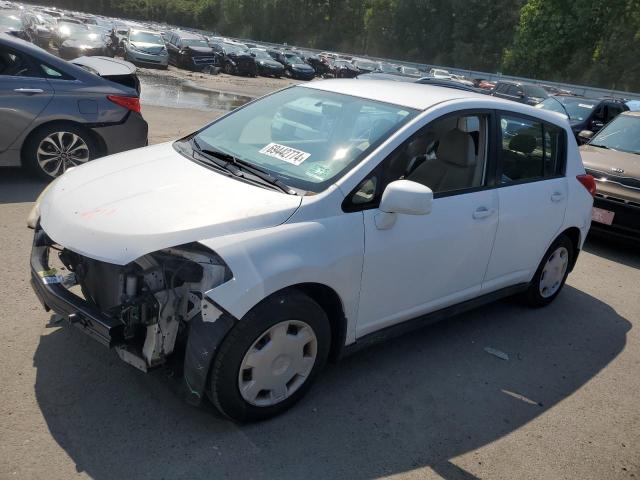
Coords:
pixel 483 212
pixel 28 90
pixel 557 197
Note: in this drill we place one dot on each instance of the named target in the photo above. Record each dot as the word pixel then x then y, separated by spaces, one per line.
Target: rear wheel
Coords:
pixel 551 274
pixel 271 357
pixel 228 68
pixel 50 151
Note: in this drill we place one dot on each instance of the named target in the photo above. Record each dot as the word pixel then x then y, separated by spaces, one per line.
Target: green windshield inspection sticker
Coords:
pixel 284 153
pixel 318 172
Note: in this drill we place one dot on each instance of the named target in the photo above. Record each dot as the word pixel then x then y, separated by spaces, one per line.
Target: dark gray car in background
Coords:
pixel 56 114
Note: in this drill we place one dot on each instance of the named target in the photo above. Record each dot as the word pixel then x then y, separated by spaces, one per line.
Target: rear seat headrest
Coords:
pixel 469 124
pixel 523 143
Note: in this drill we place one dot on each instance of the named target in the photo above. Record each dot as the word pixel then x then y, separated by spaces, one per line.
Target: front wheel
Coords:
pixel 270 358
pixel 551 274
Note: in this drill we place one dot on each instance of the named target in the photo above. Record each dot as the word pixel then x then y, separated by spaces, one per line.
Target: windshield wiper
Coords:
pixel 236 165
pixel 599 146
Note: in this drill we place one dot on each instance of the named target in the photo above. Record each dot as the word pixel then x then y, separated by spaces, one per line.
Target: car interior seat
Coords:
pixel 455 165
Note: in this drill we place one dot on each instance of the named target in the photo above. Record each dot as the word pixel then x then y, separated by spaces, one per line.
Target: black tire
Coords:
pixel 533 296
pixel 224 390
pixel 29 152
pixel 228 68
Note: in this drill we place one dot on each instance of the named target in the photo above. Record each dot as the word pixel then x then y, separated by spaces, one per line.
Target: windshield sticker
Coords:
pixel 284 153
pixel 584 105
pixel 318 172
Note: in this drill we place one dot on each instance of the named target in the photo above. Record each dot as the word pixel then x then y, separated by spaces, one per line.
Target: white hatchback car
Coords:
pixel 305 225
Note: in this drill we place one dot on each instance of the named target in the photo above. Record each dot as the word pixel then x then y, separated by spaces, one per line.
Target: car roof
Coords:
pixel 412 95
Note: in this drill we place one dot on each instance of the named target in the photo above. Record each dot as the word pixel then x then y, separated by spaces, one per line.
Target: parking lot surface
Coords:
pixel 433 404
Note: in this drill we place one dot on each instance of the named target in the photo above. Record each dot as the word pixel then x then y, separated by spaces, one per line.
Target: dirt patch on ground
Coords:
pixel 249 86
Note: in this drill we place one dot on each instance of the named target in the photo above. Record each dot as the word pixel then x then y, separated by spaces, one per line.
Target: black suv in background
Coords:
pixel 235 59
pixel 520 92
pixel 586 115
pixel 189 50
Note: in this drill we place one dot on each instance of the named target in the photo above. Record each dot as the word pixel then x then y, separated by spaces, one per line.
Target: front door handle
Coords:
pixel 483 212
pixel 28 90
pixel 557 197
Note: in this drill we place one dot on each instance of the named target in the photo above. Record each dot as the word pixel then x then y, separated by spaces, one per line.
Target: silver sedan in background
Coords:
pixel 146 47
pixel 56 114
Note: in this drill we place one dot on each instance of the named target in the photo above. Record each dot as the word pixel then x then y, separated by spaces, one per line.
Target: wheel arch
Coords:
pixel 574 235
pixel 94 136
pixel 330 302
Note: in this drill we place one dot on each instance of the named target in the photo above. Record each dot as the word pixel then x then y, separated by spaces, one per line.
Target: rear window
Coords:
pixel 530 149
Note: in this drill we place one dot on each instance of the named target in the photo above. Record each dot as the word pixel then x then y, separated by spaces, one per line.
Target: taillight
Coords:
pixel 130 103
pixel 588 182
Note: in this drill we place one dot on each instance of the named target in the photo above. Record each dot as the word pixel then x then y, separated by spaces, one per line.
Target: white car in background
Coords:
pixel 306 224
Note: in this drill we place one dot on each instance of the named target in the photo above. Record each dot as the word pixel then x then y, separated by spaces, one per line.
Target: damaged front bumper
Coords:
pixel 195 321
pixel 54 296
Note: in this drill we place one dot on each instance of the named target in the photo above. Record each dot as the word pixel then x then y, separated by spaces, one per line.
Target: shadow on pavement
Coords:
pixel 416 401
pixel 17 185
pixel 626 252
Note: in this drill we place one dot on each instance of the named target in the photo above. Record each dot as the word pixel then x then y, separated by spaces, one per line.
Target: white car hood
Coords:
pixel 121 207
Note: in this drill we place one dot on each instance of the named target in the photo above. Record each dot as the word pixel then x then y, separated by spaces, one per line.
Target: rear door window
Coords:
pixel 530 149
pixel 15 64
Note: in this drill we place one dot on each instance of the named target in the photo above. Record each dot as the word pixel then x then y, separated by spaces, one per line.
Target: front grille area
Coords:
pixel 628 182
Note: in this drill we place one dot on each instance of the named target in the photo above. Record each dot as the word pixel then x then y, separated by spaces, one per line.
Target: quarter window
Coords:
pixel 530 149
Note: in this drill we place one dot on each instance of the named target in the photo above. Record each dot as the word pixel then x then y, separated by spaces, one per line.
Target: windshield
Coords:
pixel 261 54
pixel 233 48
pixel 146 37
pixel 577 109
pixel 294 59
pixel 622 133
pixel 305 137
pixel 366 64
pixel 193 42
pixel 387 68
pixel 10 21
pixel 72 28
pixel 534 91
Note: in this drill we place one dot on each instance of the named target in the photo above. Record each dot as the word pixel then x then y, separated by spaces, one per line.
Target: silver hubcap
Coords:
pixel 61 150
pixel 553 272
pixel 278 363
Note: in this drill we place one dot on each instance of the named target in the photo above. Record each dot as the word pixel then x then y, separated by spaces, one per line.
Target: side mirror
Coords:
pixel 403 197
pixel 406 197
pixel 585 135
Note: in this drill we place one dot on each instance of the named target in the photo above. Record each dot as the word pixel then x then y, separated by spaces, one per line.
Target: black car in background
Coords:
pixel 190 51
pixel 520 92
pixel 86 43
pixel 235 59
pixel 294 66
pixel 585 114
pixel 266 65
pixel 344 69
